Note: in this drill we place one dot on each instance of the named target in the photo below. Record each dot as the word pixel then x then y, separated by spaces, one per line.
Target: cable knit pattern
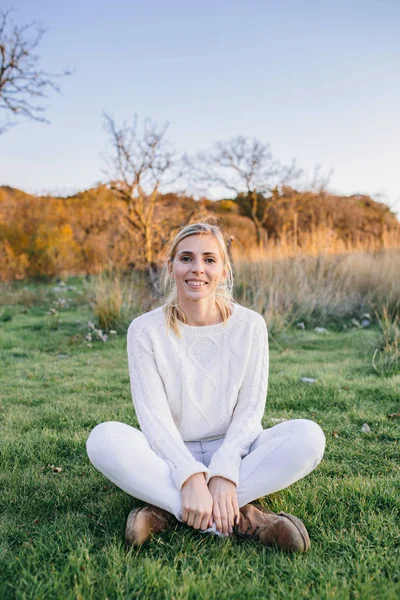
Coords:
pixel 212 382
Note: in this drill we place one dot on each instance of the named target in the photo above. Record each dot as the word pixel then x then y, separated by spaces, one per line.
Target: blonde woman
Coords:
pixel 199 372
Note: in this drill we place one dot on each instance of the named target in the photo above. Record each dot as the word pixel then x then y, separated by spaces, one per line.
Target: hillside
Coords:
pixel 45 235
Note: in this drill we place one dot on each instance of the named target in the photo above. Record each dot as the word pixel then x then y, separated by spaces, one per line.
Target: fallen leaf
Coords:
pixel 335 434
pixel 394 415
pixel 57 469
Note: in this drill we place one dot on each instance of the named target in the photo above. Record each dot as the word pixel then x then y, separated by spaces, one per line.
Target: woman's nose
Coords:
pixel 197 267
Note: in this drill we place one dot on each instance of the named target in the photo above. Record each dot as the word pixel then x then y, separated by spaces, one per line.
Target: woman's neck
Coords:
pixel 200 314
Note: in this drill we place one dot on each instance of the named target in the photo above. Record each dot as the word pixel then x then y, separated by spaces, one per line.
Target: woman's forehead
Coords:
pixel 199 243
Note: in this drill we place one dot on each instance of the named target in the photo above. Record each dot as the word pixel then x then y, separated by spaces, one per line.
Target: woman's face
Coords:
pixel 198 259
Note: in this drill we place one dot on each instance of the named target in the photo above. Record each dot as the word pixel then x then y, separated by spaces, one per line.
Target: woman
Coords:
pixel 199 373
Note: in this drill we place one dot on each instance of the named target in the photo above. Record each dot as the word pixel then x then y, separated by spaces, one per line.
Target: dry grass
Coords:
pixel 321 240
pixel 320 288
pixel 15 293
pixel 116 298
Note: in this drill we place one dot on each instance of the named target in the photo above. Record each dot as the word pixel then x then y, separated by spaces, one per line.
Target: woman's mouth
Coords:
pixel 196 284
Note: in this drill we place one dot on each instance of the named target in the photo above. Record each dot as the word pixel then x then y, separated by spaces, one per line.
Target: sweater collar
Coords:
pixel 205 330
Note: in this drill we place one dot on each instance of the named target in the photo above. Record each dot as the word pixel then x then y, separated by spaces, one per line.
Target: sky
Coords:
pixel 317 80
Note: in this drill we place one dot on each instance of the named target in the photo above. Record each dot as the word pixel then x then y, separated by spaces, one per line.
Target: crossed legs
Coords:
pixel 278 457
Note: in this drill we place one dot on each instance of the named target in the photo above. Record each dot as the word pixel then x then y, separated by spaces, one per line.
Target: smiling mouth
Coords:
pixel 196 284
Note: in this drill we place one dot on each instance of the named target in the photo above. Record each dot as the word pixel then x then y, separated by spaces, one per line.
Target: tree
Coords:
pixel 141 162
pixel 297 200
pixel 90 219
pixel 22 80
pixel 245 167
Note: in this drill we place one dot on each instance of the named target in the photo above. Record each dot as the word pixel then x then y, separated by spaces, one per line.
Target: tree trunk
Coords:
pixel 295 218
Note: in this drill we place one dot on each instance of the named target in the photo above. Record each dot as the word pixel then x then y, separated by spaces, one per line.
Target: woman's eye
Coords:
pixel 188 257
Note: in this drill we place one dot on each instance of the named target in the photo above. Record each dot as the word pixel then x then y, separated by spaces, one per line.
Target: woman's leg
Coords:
pixel 280 456
pixel 124 455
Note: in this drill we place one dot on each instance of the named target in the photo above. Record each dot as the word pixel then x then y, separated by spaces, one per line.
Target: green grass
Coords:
pixel 61 535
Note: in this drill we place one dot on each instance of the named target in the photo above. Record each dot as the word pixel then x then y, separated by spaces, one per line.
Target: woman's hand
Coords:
pixel 225 507
pixel 197 502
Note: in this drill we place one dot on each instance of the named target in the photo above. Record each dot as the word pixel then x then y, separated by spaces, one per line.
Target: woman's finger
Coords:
pixel 236 511
pixel 197 521
pixel 190 520
pixel 205 522
pixel 231 514
pixel 224 519
pixel 217 517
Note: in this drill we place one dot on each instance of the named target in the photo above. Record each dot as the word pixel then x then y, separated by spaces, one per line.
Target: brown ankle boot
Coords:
pixel 280 530
pixel 144 521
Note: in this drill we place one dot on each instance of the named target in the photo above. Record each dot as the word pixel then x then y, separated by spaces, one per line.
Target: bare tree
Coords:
pixel 141 162
pixel 245 167
pixel 23 83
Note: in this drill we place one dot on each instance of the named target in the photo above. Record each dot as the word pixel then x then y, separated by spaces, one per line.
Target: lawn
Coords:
pixel 61 533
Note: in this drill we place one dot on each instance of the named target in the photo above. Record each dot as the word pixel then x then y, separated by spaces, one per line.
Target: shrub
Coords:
pixel 116 299
pixel 386 358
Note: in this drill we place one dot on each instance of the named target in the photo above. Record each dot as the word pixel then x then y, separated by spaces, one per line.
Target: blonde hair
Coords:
pixel 224 292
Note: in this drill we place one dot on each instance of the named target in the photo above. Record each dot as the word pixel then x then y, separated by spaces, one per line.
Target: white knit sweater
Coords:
pixel 212 382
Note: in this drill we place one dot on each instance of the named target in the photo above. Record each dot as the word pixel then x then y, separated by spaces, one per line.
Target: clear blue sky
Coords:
pixel 318 80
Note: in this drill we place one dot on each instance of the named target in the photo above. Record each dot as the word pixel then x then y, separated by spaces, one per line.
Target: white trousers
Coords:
pixel 278 457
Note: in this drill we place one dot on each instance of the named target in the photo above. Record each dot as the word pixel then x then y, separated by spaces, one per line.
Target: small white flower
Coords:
pixel 60 302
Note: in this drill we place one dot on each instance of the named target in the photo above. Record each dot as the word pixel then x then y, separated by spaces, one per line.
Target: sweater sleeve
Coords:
pixel 246 419
pixel 152 408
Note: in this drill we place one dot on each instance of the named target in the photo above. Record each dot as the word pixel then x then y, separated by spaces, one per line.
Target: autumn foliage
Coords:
pixel 83 234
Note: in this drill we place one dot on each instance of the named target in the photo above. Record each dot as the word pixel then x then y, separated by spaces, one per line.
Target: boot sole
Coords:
pixel 138 530
pixel 301 529
pixel 131 536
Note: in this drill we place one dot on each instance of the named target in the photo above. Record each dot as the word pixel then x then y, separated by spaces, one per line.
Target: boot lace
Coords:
pixel 248 533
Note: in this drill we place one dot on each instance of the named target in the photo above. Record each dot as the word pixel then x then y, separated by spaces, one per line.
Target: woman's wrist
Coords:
pixel 220 477
pixel 194 478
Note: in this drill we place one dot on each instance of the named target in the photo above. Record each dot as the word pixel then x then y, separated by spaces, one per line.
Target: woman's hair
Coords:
pixel 224 291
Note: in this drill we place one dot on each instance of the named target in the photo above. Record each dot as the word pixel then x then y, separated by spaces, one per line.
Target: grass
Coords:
pixel 386 358
pixel 61 534
pixel 329 288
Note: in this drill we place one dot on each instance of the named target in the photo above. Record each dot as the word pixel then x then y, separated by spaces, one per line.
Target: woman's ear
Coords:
pixel 224 273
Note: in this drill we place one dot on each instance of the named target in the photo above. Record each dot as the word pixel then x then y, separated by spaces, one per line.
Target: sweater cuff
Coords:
pixel 179 476
pixel 227 468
